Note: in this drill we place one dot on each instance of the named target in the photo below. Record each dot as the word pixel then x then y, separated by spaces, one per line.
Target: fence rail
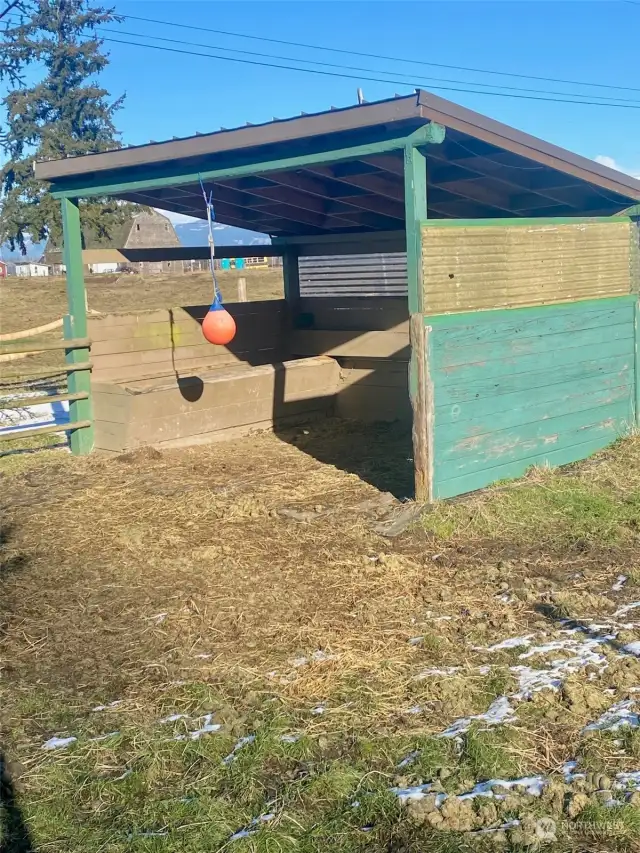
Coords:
pixel 73 369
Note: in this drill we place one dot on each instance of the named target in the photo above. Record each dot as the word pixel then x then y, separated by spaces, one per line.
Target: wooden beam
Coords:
pixel 381 185
pixel 172 174
pixel 75 326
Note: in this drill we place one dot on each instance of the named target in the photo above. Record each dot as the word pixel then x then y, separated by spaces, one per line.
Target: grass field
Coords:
pixel 216 649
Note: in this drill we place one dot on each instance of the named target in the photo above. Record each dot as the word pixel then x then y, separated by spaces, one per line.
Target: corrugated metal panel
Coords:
pixel 468 268
pixel 379 274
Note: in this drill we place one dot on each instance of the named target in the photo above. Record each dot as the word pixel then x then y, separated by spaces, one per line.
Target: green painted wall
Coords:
pixel 528 386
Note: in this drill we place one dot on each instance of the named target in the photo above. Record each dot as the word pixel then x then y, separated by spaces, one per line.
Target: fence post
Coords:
pixel 242 290
pixel 75 326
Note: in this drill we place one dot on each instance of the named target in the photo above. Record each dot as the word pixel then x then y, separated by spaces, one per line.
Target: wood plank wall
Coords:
pixel 476 267
pixel 369 337
pixel 130 347
pixel 534 386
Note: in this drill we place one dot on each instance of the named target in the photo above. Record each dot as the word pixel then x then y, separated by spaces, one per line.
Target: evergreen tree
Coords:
pixel 65 114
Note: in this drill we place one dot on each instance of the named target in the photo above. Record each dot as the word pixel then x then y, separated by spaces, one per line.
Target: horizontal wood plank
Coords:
pixel 350 344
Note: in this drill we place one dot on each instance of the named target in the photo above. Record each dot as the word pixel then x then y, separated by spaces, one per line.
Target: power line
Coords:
pixel 428 82
pixel 386 58
pixel 359 77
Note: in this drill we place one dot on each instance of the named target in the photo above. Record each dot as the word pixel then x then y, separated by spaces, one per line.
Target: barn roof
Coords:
pixel 272 178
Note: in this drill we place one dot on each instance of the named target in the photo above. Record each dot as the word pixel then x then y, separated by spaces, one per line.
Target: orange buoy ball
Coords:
pixel 218 326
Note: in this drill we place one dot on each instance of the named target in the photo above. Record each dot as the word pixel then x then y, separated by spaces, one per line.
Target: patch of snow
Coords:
pixel 620 582
pixel 59 742
pixel 44 414
pixel 415 792
pixel 319 709
pixel 104 737
pixel 627 780
pixel 626 608
pixel 124 775
pixel 510 643
pixel 244 741
pixel 203 656
pixel 427 673
pixel 415 709
pixel 173 717
pixel 205 729
pixel 569 771
pixel 499 712
pixel 621 714
pixel 409 759
pixel 110 705
pixel 633 648
pixel 532 785
pixel 245 833
pixel 289 738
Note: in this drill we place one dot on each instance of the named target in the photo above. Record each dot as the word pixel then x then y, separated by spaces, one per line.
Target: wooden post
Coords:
pixel 242 290
pixel 291 274
pixel 415 203
pixel 75 326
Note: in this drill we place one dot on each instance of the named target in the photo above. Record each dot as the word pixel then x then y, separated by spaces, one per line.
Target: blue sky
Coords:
pixel 169 94
pixel 172 94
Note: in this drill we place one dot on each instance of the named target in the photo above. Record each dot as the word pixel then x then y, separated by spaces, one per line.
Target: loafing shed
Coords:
pixel 518 341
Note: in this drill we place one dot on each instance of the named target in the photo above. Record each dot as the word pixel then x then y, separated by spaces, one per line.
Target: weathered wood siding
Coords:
pixel 534 386
pixel 484 266
pixel 369 338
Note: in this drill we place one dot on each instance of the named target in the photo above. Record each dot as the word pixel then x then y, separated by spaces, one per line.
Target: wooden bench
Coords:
pixel 155 380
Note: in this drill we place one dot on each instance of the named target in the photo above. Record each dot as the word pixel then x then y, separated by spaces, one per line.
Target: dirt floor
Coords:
pixel 259 646
pixel 219 646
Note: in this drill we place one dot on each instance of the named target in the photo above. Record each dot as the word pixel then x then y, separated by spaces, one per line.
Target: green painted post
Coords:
pixel 415 206
pixel 75 325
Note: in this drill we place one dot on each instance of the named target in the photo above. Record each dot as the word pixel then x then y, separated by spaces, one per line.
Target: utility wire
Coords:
pixel 386 58
pixel 359 77
pixel 428 81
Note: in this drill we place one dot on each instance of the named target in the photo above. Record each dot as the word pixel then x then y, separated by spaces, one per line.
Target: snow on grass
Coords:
pixel 244 741
pixel 620 582
pixel 621 714
pixel 59 742
pixel 255 823
pixel 44 414
pixel 499 712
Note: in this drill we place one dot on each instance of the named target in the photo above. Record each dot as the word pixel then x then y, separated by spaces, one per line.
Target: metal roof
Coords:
pixel 482 169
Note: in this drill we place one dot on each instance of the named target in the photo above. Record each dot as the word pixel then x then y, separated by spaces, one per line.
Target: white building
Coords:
pixel 97 269
pixel 32 269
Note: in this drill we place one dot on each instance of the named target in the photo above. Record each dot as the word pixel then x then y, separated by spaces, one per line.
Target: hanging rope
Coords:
pixel 208 201
pixel 218 326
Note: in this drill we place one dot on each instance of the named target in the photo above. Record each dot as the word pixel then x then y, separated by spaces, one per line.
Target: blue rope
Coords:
pixel 216 305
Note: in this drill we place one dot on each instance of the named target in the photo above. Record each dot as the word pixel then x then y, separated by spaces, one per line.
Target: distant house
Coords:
pixel 146 230
pixel 32 270
pixel 100 269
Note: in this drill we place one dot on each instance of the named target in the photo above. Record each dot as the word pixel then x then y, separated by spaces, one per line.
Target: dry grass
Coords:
pixel 174 583
pixel 246 580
